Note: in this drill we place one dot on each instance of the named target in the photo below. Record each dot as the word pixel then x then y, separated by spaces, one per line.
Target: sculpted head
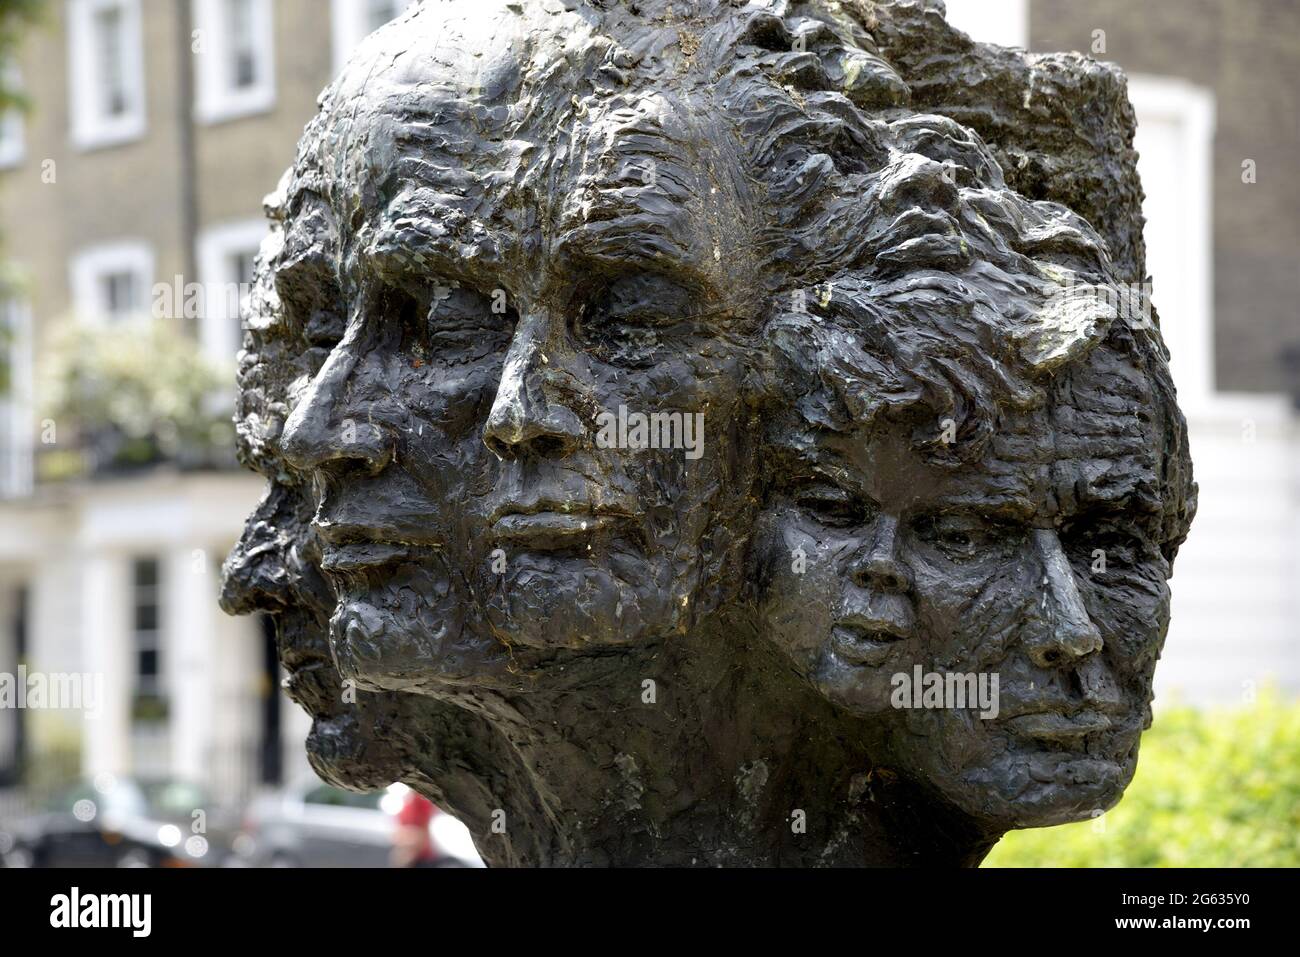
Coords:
pixel 498 240
pixel 513 223
pixel 507 224
pixel 981 473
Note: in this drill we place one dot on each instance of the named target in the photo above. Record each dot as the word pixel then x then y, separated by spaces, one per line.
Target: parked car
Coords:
pixel 311 824
pixel 120 822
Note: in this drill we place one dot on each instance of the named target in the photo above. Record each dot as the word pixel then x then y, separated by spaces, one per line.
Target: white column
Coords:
pixel 294 731
pixel 1290 680
pixel 106 650
pixel 189 605
pixel 237 679
pixel 8 664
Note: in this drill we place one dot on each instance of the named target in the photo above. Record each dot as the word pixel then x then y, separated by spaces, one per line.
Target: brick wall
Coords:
pixel 1248 53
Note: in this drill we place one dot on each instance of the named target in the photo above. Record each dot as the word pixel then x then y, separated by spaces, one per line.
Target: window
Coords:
pixel 121 294
pixel 106 60
pixel 235 58
pixel 1174 140
pixel 11 123
pixel 146 628
pixel 15 400
pixel 242 49
pixel 226 256
pixel 1004 22
pixel 11 138
pixel 112 283
pixel 354 20
pixel 108 29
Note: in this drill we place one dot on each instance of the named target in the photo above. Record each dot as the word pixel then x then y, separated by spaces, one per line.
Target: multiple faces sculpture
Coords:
pixel 931 446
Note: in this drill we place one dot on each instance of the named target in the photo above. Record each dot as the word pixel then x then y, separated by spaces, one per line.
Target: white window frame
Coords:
pixel 1004 22
pixel 13 139
pixel 1187 313
pixel 350 27
pixel 16 404
pixel 91 129
pixel 219 331
pixel 13 144
pixel 217 99
pixel 91 265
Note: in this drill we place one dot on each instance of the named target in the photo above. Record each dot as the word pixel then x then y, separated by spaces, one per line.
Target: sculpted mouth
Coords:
pixel 545 525
pixel 348 548
pixel 347 558
pixel 1055 727
pixel 865 643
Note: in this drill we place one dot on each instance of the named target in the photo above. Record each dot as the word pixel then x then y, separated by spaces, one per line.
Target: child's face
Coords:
pixel 879 560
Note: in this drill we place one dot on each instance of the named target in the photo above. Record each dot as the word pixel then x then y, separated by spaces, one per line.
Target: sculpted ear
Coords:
pixel 1069 325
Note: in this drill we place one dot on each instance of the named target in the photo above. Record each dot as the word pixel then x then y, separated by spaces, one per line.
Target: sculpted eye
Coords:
pixel 628 321
pixel 1119 544
pixel 833 506
pixel 962 537
pixel 455 323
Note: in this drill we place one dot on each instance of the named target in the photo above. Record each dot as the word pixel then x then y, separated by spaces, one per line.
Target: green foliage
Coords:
pixel 58 742
pixel 15 15
pixel 1216 788
pixel 129 395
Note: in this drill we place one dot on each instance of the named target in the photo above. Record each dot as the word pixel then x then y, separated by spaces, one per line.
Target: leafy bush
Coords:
pixel 132 394
pixel 15 17
pixel 1216 788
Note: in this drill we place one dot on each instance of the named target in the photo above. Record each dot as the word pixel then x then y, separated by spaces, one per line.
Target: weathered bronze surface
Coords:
pixel 869 286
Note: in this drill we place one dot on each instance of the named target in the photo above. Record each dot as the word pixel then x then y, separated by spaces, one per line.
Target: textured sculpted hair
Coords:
pixel 969 303
pixel 846 193
pixel 830 167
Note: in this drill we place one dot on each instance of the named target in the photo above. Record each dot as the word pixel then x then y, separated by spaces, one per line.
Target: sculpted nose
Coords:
pixel 524 420
pixel 877 566
pixel 919 181
pixel 321 429
pixel 1069 634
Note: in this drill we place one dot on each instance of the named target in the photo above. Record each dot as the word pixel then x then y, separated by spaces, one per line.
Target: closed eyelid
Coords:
pixel 812 486
pixel 626 303
pixel 977 515
pixel 818 494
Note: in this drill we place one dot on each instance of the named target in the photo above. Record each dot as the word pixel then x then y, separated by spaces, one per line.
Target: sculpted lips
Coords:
pixel 551 525
pixel 1056 727
pixel 865 641
pixel 348 548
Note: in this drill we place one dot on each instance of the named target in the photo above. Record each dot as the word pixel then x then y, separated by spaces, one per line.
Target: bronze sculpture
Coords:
pixel 876 414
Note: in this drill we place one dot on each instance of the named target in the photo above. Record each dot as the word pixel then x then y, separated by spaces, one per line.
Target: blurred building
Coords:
pixel 1216 88
pixel 157 128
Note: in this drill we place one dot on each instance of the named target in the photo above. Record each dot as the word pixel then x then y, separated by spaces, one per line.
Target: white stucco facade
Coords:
pixel 72 548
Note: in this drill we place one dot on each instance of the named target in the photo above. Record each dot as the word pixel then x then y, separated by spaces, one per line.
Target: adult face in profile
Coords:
pixel 500 296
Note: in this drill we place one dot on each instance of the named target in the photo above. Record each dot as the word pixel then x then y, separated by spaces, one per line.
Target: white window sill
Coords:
pixel 103 136
pixel 236 107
